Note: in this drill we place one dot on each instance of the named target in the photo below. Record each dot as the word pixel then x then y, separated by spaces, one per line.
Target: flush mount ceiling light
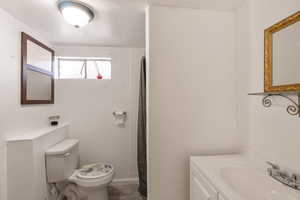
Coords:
pixel 75 13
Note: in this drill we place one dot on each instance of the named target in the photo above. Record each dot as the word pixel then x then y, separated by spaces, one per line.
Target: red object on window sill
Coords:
pixel 99 76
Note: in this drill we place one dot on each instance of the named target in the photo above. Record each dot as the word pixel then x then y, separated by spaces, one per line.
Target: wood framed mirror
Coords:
pixel 37 77
pixel 282 58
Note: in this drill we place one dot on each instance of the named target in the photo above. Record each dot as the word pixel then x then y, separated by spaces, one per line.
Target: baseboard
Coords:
pixel 126 180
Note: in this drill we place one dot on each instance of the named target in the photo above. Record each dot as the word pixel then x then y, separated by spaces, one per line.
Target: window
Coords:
pixel 83 68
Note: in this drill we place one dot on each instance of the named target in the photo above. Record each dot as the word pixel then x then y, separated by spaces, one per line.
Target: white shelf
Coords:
pixel 35 134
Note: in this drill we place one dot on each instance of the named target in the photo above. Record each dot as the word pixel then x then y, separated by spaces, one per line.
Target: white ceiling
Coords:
pixel 117 22
pixel 218 5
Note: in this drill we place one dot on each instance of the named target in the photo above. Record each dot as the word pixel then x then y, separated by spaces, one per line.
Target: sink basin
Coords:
pixel 253 185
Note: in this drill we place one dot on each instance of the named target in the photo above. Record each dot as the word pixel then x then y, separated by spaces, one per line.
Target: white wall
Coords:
pixel 192 93
pixel 14 118
pixel 273 134
pixel 88 105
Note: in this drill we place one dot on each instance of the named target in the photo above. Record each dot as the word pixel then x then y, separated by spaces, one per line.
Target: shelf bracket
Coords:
pixel 293 108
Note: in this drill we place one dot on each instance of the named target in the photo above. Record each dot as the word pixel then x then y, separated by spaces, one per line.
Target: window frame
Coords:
pixel 84 60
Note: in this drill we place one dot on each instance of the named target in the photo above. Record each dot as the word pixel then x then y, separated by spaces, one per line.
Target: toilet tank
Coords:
pixel 62 160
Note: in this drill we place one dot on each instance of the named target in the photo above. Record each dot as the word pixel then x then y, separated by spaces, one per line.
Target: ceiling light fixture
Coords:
pixel 75 13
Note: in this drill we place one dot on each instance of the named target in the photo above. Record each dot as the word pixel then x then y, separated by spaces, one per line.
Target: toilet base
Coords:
pixel 96 193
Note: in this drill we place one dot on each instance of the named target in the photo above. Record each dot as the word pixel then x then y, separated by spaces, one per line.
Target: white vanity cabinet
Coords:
pixel 222 177
pixel 200 188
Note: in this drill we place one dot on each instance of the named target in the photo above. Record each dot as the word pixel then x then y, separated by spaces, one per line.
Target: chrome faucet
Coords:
pixel 284 177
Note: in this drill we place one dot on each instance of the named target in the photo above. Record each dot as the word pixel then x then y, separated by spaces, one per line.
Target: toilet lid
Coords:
pixel 95 171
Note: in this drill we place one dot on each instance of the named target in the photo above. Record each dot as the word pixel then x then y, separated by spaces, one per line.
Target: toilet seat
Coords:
pixel 93 175
pixel 93 171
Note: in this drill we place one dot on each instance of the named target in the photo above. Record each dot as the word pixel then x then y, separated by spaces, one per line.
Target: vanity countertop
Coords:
pixel 250 179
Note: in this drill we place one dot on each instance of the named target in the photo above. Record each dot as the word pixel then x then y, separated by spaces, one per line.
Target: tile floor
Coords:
pixel 124 191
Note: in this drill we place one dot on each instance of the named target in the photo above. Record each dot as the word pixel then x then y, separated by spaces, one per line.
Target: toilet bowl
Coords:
pixel 93 180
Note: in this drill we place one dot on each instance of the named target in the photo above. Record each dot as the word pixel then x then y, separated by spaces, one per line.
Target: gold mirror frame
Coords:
pixel 268 74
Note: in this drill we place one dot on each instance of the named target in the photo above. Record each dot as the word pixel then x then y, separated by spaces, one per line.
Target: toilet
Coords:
pixel 62 165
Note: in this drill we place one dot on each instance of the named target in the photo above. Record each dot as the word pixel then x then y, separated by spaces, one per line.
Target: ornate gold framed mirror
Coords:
pixel 282 55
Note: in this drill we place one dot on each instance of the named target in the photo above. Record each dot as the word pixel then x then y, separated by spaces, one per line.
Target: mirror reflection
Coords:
pixel 38 86
pixel 38 56
pixel 286 57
